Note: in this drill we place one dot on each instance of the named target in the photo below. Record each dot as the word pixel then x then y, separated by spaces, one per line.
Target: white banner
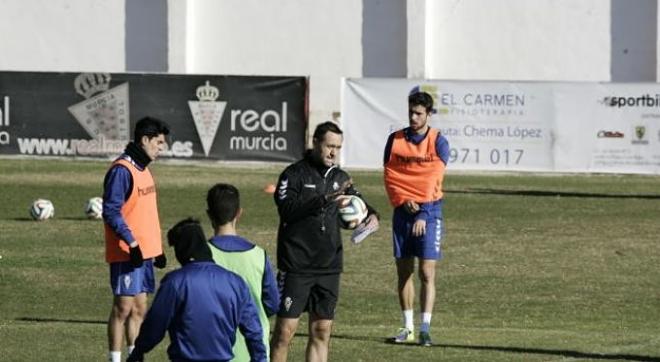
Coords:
pixel 513 126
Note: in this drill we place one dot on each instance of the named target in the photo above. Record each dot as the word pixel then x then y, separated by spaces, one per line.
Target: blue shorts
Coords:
pixel 128 281
pixel 426 246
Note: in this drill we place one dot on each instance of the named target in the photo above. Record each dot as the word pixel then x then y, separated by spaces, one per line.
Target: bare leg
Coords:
pixel 285 329
pixel 405 269
pixel 427 277
pixel 121 309
pixel 135 319
pixel 319 339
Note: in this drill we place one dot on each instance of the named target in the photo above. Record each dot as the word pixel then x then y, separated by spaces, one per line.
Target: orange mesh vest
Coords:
pixel 414 172
pixel 140 212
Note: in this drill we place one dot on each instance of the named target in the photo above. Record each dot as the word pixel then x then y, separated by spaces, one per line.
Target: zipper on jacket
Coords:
pixel 325 191
pixel 323 208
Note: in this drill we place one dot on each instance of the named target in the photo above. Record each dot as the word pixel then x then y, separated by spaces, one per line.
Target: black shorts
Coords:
pixel 313 293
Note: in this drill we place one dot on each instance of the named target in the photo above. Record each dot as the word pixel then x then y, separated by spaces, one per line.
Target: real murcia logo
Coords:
pixel 207 114
pixel 105 112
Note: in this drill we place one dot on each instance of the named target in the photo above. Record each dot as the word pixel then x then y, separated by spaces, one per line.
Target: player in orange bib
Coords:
pixel 133 243
pixel 414 162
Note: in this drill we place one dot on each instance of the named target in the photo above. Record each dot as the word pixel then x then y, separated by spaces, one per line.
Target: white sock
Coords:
pixel 129 349
pixel 114 356
pixel 426 322
pixel 426 318
pixel 408 319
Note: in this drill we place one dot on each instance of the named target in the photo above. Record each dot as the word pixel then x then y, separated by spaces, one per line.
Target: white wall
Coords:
pixel 518 40
pixel 62 35
pixel 320 39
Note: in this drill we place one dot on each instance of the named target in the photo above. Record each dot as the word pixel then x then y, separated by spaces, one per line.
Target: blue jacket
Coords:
pixel 201 306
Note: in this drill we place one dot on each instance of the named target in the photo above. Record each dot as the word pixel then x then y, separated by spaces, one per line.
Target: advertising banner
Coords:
pixel 234 118
pixel 489 125
pixel 513 126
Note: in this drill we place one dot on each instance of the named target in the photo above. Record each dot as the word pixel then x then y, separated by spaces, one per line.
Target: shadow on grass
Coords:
pixel 57 320
pixel 550 352
pixel 541 193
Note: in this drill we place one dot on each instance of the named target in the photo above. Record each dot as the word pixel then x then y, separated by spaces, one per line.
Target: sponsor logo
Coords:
pixel 645 100
pixel 104 114
pixel 640 136
pixel 609 134
pixel 105 111
pixel 207 114
pixel 474 104
pixel 309 186
pixel 271 122
pixel 250 130
pixel 147 190
pixel 281 190
pixel 413 159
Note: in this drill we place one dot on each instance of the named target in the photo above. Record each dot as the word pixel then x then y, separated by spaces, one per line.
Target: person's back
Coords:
pixel 250 262
pixel 209 299
pixel 201 306
pixel 242 257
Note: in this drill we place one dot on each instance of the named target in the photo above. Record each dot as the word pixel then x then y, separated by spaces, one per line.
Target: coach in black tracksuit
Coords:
pixel 309 246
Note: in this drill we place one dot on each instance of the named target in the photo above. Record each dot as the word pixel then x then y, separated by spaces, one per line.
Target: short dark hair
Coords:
pixel 421 99
pixel 324 128
pixel 150 127
pixel 223 202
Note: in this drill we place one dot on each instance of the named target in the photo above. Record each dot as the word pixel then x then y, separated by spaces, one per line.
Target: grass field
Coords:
pixel 536 268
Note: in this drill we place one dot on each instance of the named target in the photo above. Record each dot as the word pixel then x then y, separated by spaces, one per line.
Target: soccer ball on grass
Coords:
pixel 42 209
pixel 94 208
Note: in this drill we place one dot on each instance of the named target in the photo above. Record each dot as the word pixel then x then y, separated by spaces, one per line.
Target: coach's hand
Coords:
pixel 334 196
pixel 411 207
pixel 419 228
pixel 136 255
pixel 160 261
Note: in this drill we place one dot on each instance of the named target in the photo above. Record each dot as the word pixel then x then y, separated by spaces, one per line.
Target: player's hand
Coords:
pixel 411 207
pixel 419 228
pixel 334 196
pixel 368 226
pixel 160 261
pixel 136 256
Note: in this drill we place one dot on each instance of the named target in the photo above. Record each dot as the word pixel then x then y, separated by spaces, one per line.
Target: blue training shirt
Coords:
pixel 117 188
pixel 428 209
pixel 201 306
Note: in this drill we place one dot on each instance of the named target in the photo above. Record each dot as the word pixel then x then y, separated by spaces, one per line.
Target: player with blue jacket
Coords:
pixel 201 306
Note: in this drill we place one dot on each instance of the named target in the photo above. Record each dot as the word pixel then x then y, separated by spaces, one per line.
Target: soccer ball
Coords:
pixel 352 211
pixel 42 209
pixel 94 208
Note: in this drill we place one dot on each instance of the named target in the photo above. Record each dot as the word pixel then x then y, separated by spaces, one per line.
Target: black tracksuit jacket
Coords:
pixel 309 237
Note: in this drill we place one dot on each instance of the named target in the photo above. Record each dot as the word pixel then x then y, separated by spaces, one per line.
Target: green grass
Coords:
pixel 536 267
